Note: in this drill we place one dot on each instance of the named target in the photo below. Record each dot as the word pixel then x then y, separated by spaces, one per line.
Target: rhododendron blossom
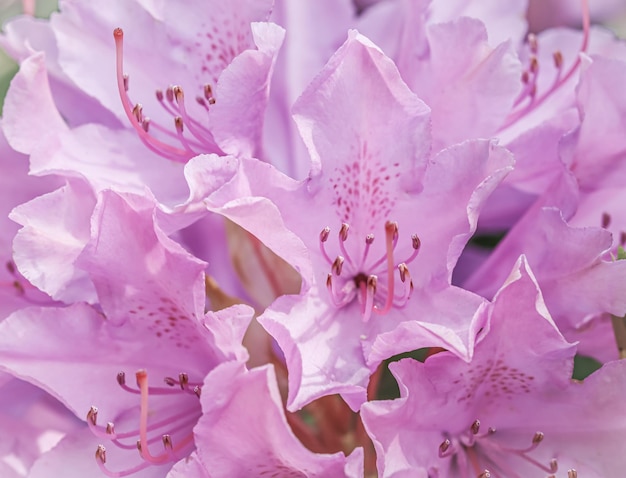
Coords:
pixel 492 416
pixel 371 284
pixel 313 238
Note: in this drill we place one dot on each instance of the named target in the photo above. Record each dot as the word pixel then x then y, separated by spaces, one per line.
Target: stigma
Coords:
pixel 371 282
pixel 187 136
pixel 171 426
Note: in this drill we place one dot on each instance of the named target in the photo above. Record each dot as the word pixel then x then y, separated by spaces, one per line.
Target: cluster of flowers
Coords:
pixel 252 238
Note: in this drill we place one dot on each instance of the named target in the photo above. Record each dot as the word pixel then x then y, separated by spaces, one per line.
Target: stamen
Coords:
pixel 339 298
pixel 537 438
pixel 530 79
pixel 324 234
pixel 183 419
pixel 343 236
pixel 178 125
pixel 475 428
pixel 138 112
pixel 408 285
pixel 357 274
pixel 370 292
pixel 606 220
pixel 197 130
pixel 337 265
pixel 572 473
pixel 92 415
pixel 203 138
pixel 343 232
pixel 329 286
pixel 472 450
pixel 323 238
pixel 208 94
pixel 554 466
pixel 446 449
pixel 121 380
pixel 101 454
pixel 369 240
pixel 183 379
pixel 180 423
pixel 101 459
pixel 152 143
pixel 169 447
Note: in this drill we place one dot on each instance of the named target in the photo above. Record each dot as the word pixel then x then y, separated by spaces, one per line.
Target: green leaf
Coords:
pixel 8 69
pixel 584 366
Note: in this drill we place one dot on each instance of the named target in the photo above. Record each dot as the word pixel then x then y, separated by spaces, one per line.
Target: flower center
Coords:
pixel 479 453
pixel 358 277
pixel 191 136
pixel 173 430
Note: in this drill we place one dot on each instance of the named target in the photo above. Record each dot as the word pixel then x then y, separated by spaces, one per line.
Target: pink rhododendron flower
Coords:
pixel 577 261
pixel 236 41
pixel 235 243
pixel 150 318
pixel 366 292
pixel 479 82
pixel 232 80
pixel 512 411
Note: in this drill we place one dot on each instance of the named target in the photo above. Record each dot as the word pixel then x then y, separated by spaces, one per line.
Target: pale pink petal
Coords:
pixel 235 399
pixel 30 115
pixel 56 229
